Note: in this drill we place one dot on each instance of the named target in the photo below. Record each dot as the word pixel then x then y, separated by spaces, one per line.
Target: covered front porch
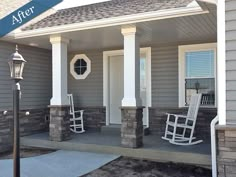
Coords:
pixel 105 142
pixel 132 68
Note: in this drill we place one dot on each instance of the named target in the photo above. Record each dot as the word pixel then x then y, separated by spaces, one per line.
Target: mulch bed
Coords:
pixel 128 167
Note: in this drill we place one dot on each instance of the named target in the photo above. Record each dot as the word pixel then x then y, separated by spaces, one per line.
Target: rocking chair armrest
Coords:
pixel 177 115
pixel 174 117
pixel 185 117
pixel 182 116
pixel 79 111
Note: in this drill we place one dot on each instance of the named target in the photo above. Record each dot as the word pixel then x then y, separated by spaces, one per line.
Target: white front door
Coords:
pixel 116 87
pixel 116 73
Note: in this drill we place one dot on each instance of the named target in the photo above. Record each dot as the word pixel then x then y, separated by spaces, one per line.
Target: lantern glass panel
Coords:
pixel 17 67
pixel 11 68
pixel 22 67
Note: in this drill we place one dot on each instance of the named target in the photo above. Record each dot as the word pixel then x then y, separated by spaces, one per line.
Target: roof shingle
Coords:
pixel 7 7
pixel 114 8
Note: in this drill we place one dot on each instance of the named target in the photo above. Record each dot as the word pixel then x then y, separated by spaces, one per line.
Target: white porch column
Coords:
pixel 131 67
pixel 59 70
pixel 221 62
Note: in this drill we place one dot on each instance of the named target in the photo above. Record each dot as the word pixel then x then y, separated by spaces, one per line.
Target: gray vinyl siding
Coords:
pixel 36 86
pixel 231 61
pixel 165 76
pixel 165 86
pixel 89 91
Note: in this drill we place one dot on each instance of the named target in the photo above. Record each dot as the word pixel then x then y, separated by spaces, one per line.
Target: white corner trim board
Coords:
pixel 114 21
pixel 221 63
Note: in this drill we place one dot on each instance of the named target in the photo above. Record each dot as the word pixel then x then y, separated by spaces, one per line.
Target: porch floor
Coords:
pixel 154 147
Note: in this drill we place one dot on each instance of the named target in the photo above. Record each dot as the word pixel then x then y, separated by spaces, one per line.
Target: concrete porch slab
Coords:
pixel 154 147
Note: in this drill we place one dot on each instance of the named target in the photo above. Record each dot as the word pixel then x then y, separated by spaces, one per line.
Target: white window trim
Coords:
pixel 72 63
pixel 181 62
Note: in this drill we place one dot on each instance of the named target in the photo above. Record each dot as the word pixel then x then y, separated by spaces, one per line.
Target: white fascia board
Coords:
pixel 123 20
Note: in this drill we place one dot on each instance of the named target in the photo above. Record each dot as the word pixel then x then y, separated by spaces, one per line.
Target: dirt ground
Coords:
pixel 26 152
pixel 128 167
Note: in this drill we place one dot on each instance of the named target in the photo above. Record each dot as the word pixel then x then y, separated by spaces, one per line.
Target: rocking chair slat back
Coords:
pixel 194 106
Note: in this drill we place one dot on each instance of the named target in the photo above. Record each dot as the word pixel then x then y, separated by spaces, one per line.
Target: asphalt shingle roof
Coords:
pixel 114 8
pixel 8 6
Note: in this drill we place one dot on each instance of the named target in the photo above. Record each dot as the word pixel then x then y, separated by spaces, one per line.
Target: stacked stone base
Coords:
pixel 132 127
pixel 226 151
pixel 6 135
pixel 59 127
pixel 30 124
pixel 94 117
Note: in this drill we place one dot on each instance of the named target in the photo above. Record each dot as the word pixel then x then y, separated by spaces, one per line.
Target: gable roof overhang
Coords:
pixel 193 8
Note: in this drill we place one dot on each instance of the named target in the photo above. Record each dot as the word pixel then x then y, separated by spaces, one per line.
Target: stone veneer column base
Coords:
pixel 59 127
pixel 226 151
pixel 132 127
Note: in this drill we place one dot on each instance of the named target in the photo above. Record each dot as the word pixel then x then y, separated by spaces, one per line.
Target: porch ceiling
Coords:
pixel 188 29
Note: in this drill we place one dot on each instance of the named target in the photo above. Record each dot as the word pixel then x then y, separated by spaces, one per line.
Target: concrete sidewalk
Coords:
pixel 57 164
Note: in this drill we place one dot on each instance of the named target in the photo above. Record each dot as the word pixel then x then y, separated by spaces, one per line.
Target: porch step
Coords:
pixel 114 129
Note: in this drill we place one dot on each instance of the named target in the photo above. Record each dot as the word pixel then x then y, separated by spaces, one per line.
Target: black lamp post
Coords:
pixel 16 63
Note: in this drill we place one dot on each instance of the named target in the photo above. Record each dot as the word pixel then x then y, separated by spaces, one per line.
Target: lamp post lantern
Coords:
pixel 16 64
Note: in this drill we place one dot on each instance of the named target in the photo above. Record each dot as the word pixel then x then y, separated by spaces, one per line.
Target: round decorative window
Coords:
pixel 80 66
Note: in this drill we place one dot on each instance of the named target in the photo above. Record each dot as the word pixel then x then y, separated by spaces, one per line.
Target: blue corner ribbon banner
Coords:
pixel 25 14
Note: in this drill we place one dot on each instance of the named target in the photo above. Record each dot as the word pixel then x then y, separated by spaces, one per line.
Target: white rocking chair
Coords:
pixel 76 119
pixel 183 124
